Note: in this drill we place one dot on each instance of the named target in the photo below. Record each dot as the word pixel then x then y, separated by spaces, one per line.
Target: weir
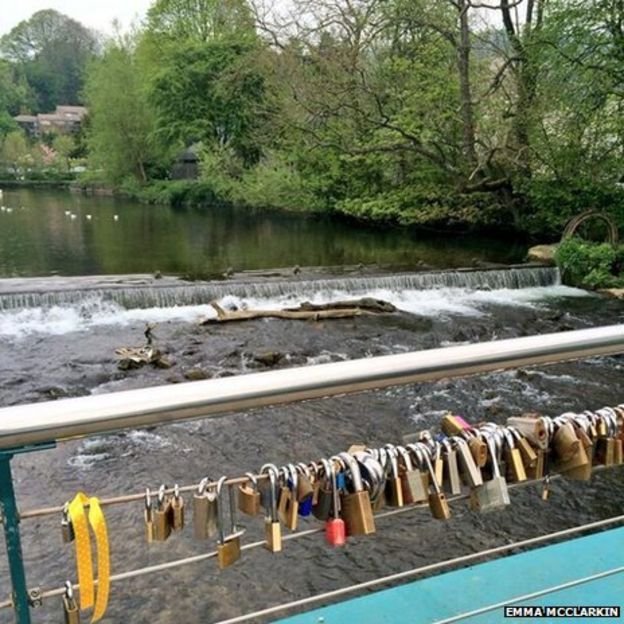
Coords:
pixel 144 291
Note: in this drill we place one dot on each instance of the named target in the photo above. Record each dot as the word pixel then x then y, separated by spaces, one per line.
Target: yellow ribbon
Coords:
pixel 84 563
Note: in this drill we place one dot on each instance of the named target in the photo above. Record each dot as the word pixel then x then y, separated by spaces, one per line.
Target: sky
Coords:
pixel 97 14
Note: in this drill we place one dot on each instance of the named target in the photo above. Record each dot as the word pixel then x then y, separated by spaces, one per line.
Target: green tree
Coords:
pixel 52 50
pixel 15 151
pixel 212 93
pixel 121 118
pixel 64 145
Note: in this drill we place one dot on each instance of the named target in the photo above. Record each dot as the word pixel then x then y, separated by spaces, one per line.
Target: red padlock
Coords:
pixel 335 529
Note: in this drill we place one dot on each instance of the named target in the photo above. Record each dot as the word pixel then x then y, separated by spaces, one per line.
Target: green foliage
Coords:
pixel 52 50
pixel 210 92
pixel 121 119
pixel 428 208
pixel 550 205
pixel 173 193
pixel 590 265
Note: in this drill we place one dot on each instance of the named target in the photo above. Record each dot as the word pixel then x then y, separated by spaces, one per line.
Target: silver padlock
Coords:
pixel 493 494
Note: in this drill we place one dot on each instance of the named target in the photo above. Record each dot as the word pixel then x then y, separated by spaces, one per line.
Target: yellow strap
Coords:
pixel 83 553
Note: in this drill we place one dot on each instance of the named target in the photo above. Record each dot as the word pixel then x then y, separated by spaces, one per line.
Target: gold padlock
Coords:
pixel 357 511
pixel 177 509
pixel 249 496
pixel 71 612
pixel 272 526
pixel 229 546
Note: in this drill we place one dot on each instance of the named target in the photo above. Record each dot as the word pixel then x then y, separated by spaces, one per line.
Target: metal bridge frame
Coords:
pixel 38 426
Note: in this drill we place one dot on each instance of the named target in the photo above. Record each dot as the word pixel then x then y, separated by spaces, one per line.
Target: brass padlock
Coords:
pixel 393 489
pixel 580 466
pixel 71 611
pixel 149 517
pixel 177 509
pixel 529 455
pixel 533 427
pixel 470 472
pixel 566 444
pixel 414 490
pixel 493 494
pixel 437 501
pixel 205 511
pixel 163 516
pixel 288 505
pixel 478 448
pixel 515 467
pixel 451 473
pixel 229 546
pixel 356 506
pixel 249 496
pixel 67 529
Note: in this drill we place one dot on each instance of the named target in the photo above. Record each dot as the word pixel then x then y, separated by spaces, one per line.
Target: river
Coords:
pixel 66 348
pixel 55 232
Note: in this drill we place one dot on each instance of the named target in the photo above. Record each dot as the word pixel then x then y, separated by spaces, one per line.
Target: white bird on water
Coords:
pixel 115 217
pixel 88 217
pixel 67 213
pixel 73 216
pixel 9 209
pixel 2 208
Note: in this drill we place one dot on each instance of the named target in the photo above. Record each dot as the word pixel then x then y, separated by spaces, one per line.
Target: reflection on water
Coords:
pixel 58 232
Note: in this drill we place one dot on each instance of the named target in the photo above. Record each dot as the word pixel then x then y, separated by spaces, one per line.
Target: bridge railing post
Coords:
pixel 10 522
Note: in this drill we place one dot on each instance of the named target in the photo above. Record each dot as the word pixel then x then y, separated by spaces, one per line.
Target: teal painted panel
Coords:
pixel 446 595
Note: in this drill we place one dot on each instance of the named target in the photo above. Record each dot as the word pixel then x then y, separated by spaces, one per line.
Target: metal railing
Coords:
pixel 33 427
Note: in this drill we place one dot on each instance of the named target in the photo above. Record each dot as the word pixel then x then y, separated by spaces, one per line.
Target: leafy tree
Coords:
pixel 53 51
pixel 210 93
pixel 15 150
pixel 121 117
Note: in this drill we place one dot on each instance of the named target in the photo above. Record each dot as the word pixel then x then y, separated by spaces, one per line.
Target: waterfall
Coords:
pixel 194 293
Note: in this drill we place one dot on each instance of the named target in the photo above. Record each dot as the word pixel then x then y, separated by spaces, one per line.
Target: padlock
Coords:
pixel 451 472
pixel 67 529
pixel 414 491
pixel 579 467
pixel 356 506
pixel 493 494
pixel 529 456
pixel 566 444
pixel 546 488
pixel 470 472
pixel 533 427
pixel 516 472
pixel 149 517
pixel 305 490
pixel 249 496
pixel 288 505
pixel 335 528
pixel 71 612
pixel 177 509
pixel 163 516
pixel 451 425
pixel 322 510
pixel 393 489
pixel 478 448
pixel 272 526
pixel 378 495
pixel 373 476
pixel 438 504
pixel 205 511
pixel 229 546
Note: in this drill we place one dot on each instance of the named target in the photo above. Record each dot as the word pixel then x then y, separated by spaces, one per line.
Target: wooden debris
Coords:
pixel 305 312
pixel 135 357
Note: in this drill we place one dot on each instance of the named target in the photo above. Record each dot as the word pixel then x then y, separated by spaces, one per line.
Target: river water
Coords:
pixel 49 232
pixel 66 349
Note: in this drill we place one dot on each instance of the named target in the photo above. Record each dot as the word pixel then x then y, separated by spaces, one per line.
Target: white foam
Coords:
pixel 59 320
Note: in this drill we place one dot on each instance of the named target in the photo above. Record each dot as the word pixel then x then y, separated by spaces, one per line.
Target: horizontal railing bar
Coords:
pixel 55 421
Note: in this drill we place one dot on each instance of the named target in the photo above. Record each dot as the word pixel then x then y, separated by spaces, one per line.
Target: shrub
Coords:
pixel 590 265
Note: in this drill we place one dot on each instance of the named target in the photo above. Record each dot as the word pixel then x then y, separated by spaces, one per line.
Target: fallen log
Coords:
pixel 305 312
pixel 365 303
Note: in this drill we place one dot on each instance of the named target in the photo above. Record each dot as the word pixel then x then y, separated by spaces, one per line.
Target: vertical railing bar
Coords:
pixel 10 517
